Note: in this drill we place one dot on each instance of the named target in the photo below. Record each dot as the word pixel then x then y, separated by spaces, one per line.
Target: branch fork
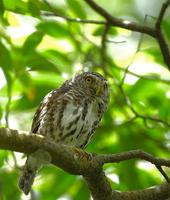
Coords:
pixel 79 162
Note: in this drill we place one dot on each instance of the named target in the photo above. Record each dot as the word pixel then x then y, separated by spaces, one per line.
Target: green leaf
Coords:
pixel 3 155
pixel 9 4
pixel 6 64
pixel 8 184
pixel 32 41
pixel 59 59
pixel 53 28
pixel 99 31
pixel 1 9
pixel 77 8
pixel 38 88
pixel 1 113
pixel 83 192
pixel 25 80
pixel 155 52
pixel 17 6
pixel 166 28
pixel 64 180
pixel 34 7
pixel 5 57
pixel 37 62
pixel 142 89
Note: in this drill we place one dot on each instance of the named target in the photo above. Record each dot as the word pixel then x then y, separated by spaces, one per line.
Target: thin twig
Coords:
pixel 133 58
pixel 138 115
pixel 133 154
pixel 103 48
pixel 136 154
pixel 113 21
pixel 163 173
pixel 76 20
pixel 147 77
pixel 153 119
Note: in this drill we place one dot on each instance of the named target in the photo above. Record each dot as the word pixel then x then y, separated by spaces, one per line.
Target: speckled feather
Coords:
pixel 69 115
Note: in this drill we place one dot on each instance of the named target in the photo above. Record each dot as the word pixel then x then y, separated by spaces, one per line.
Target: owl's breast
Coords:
pixel 75 123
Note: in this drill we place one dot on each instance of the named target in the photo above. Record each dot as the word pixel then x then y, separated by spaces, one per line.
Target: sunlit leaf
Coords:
pixel 82 193
pixel 34 95
pixel 155 52
pixel 61 60
pixel 37 62
pixel 62 179
pixel 1 112
pixel 1 8
pixel 77 8
pixel 99 31
pixel 5 57
pixel 17 6
pixel 53 28
pixel 34 7
pixel 3 155
pixel 10 4
pixel 8 180
pixel 32 41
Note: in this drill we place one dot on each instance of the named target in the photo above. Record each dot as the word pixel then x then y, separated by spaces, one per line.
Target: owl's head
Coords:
pixel 91 82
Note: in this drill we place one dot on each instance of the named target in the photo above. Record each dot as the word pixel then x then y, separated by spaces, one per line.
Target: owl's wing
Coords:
pixel 46 103
pixel 41 111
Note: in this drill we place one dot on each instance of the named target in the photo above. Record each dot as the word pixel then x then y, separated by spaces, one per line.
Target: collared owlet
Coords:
pixel 70 115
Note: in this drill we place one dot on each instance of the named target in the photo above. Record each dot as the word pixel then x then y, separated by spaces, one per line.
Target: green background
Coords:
pixel 38 53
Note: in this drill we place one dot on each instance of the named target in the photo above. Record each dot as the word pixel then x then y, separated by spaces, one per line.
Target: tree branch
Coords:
pixel 110 19
pixel 159 35
pixel 112 158
pixel 76 20
pixel 119 22
pixel 79 162
pixel 155 32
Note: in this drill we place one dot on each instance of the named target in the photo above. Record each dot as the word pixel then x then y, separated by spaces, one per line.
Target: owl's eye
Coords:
pixel 89 80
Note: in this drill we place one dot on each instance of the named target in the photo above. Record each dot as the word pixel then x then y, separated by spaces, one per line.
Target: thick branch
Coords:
pixel 160 37
pixel 22 142
pixel 77 161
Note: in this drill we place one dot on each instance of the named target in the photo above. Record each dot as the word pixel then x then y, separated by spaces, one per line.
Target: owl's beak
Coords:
pixel 99 89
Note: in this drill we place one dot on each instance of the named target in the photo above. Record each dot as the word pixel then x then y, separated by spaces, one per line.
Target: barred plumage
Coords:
pixel 69 115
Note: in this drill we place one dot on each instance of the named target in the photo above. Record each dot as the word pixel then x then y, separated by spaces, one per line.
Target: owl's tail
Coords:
pixel 27 178
pixel 33 163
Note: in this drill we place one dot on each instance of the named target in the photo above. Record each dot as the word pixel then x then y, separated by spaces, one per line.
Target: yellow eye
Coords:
pixel 89 80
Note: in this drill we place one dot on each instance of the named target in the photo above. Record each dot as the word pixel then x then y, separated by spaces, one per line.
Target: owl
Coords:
pixel 69 115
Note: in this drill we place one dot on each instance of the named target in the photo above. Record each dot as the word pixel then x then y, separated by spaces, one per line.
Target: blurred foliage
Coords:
pixel 38 52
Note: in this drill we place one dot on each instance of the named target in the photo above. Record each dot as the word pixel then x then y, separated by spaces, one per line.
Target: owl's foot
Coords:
pixel 83 155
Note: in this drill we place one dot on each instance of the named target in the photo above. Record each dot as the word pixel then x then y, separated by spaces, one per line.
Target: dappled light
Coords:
pixel 43 43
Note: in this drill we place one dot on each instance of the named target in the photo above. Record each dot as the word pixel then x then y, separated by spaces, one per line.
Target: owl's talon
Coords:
pixel 80 154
